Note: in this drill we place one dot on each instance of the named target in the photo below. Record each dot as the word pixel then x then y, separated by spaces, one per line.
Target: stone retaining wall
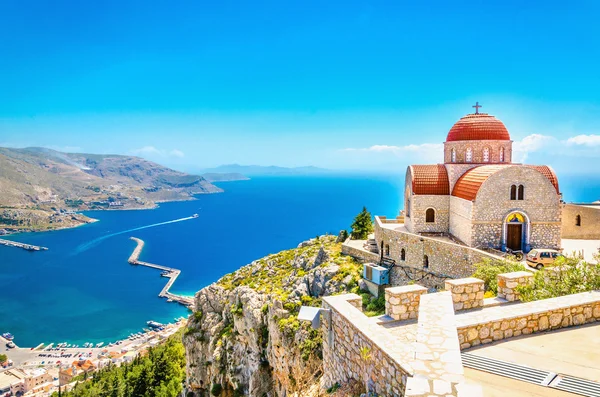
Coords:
pixel 443 257
pixel 358 253
pixel 467 293
pixel 354 337
pixel 503 322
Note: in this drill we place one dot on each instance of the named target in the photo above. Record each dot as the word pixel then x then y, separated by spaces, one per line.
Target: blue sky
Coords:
pixel 349 85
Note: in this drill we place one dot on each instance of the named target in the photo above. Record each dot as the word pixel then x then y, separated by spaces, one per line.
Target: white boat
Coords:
pixel 99 344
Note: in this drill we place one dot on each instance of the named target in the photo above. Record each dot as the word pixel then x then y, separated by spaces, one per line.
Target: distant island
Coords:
pixel 42 189
pixel 257 170
pixel 224 176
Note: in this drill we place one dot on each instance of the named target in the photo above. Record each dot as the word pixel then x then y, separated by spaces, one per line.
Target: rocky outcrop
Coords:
pixel 245 338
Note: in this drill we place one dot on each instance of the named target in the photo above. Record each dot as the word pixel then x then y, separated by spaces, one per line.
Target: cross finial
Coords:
pixel 477 106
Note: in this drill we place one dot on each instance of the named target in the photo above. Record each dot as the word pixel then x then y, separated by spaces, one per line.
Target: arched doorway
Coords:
pixel 516 231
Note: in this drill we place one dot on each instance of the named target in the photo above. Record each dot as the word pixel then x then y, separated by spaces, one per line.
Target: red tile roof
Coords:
pixel 430 179
pixel 548 173
pixel 477 127
pixel 469 183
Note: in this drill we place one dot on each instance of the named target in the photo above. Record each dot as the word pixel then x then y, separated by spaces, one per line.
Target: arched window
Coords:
pixel 486 155
pixel 469 155
pixel 430 215
pixel 502 155
pixel 453 155
pixel 513 192
pixel 521 191
pixel 402 254
pixel 387 250
pixel 425 262
pixel 578 220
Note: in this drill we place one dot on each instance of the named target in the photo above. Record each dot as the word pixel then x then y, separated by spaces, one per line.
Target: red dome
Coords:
pixel 478 127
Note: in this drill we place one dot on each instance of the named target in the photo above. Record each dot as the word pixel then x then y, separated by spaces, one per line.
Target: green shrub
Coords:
pixel 568 276
pixel 216 389
pixel 489 269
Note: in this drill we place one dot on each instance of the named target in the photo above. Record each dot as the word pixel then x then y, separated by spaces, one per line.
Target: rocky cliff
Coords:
pixel 245 338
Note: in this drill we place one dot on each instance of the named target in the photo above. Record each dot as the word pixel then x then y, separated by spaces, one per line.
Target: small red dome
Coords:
pixel 478 127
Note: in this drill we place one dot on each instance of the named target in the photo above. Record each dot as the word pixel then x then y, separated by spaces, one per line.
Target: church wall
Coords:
pixel 541 204
pixel 589 228
pixel 478 146
pixel 444 257
pixel 460 219
pixel 420 204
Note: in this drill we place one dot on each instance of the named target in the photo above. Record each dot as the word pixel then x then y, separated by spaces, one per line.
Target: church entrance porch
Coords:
pixel 516 232
pixel 514 235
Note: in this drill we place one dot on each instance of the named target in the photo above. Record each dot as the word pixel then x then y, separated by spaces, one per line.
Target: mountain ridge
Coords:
pixel 40 188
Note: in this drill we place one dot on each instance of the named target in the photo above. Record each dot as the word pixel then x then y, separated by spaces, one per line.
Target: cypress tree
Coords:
pixel 362 225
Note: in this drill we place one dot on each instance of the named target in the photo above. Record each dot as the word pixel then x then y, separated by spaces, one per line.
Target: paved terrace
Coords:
pixel 426 355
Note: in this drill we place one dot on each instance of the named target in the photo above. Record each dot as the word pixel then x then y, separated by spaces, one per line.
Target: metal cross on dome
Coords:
pixel 477 106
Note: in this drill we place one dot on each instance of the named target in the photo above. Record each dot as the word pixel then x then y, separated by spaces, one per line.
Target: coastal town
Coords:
pixel 40 371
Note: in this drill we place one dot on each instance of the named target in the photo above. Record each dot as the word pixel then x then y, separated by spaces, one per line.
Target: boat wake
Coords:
pixel 86 246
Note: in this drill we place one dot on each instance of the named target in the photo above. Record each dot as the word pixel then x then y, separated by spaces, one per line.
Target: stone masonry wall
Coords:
pixel 402 303
pixel 363 255
pixel 589 228
pixel 420 204
pixel 460 225
pixel 477 147
pixel 502 322
pixel 541 204
pixel 444 258
pixel 508 283
pixel 467 293
pixel 353 332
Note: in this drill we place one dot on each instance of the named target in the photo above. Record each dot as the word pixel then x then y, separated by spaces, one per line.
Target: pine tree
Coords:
pixel 362 225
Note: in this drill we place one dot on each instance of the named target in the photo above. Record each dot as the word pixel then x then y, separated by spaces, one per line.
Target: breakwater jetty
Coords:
pixel 168 272
pixel 27 247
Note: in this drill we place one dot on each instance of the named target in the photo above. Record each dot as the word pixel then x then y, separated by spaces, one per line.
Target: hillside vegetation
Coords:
pixel 245 337
pixel 39 188
pixel 158 373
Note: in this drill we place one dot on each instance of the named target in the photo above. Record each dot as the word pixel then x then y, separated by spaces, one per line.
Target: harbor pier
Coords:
pixel 28 247
pixel 169 272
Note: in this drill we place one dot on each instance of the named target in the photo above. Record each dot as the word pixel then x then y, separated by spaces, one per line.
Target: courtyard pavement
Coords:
pixel 570 351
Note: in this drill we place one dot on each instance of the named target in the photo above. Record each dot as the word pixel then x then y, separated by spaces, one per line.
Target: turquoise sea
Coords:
pixel 83 290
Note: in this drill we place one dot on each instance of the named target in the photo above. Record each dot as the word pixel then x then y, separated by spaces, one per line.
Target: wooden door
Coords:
pixel 513 236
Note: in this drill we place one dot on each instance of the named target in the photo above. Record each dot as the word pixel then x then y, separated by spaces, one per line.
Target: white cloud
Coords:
pixel 152 151
pixel 390 156
pixel 529 144
pixel 147 150
pixel 586 140
pixel 176 153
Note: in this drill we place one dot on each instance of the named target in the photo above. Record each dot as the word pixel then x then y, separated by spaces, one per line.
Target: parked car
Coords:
pixel 539 258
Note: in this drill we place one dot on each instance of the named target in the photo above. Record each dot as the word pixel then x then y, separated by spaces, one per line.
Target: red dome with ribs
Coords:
pixel 478 127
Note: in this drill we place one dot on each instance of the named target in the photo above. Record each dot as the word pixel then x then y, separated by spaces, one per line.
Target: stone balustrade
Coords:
pixel 467 293
pixel 402 303
pixel 508 283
